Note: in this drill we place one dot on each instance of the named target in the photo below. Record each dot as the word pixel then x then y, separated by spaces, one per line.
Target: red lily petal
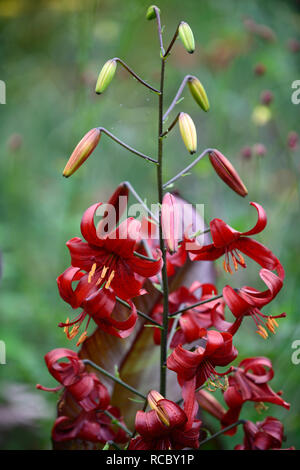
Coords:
pixel 87 226
pixel 261 220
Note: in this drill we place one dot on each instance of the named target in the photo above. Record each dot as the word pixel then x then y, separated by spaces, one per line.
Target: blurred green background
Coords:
pixel 51 54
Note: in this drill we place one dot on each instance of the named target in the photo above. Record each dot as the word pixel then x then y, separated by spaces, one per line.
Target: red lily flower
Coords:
pixel 250 383
pixel 194 368
pixel 228 241
pixel 98 304
pixel 166 426
pixel 248 301
pixel 191 322
pixel 209 403
pixel 92 426
pixel 110 261
pixel 264 435
pixel 85 388
pixel 110 267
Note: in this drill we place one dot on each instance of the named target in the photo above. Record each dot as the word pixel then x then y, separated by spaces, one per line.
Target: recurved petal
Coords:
pixel 87 226
pixel 261 220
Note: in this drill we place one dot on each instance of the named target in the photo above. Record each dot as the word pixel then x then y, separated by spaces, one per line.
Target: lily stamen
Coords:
pixel 92 272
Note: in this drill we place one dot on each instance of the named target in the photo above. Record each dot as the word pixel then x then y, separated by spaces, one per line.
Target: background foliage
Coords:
pixel 52 52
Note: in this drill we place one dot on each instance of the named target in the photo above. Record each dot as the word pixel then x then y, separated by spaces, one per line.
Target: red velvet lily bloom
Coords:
pixel 106 267
pixel 250 383
pixel 264 435
pixel 248 302
pixel 111 261
pixel 229 241
pixel 98 304
pixel 165 427
pixel 194 368
pixel 86 389
pixel 92 426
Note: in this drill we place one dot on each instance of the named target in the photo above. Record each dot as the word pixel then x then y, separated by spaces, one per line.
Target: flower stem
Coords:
pixel 118 423
pixel 172 42
pixel 187 168
pixel 120 142
pixel 164 333
pixel 190 307
pixel 135 75
pixel 140 200
pixel 141 314
pixel 177 96
pixel 240 421
pixel 112 377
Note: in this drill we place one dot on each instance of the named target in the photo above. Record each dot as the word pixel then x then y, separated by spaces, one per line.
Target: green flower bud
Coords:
pixel 151 15
pixel 187 37
pixel 188 132
pixel 199 93
pixel 106 75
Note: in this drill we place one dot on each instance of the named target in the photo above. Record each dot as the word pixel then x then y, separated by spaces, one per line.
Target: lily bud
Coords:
pixel 154 398
pixel 188 132
pixel 187 37
pixel 106 75
pixel 151 15
pixel 170 216
pixel 227 172
pixel 198 92
pixel 82 151
pixel 210 404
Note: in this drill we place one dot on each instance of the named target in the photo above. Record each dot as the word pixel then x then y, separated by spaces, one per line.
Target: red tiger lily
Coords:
pixel 98 304
pixel 165 427
pixel 110 267
pixel 250 383
pixel 248 302
pixel 191 322
pixel 194 368
pixel 228 241
pixel 92 426
pixel 111 261
pixel 264 435
pixel 85 388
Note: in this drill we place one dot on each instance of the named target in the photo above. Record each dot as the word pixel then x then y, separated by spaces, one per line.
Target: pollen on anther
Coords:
pixel 111 276
pixel 92 272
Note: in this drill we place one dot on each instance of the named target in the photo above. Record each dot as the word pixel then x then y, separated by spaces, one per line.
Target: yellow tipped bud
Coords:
pixel 82 151
pixel 188 132
pixel 187 37
pixel 151 15
pixel 198 92
pixel 106 75
pixel 153 399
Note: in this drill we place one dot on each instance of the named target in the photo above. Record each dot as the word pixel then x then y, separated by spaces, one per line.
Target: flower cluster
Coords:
pixel 120 260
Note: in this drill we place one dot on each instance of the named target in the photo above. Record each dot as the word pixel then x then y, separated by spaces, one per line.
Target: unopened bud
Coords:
pixel 82 151
pixel 170 218
pixel 188 132
pixel 187 37
pixel 198 92
pixel 210 404
pixel 106 75
pixel 227 172
pixel 151 14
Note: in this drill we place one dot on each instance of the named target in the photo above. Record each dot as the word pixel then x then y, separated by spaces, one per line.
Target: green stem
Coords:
pixel 127 147
pixel 112 377
pixel 117 59
pixel 240 421
pixel 190 307
pixel 164 333
pixel 118 423
pixel 141 314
